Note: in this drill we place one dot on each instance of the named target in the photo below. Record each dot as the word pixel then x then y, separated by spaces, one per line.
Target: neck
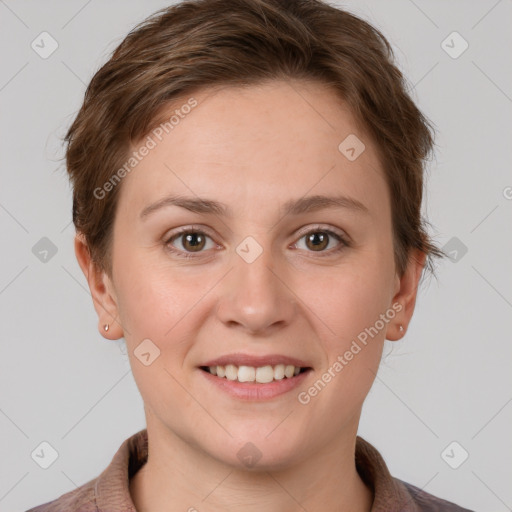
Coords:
pixel 180 477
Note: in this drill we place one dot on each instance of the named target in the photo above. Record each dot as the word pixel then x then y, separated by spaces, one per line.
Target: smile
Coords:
pixel 261 374
pixel 251 383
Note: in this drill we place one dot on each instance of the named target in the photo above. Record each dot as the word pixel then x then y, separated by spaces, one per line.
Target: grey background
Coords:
pixel 448 380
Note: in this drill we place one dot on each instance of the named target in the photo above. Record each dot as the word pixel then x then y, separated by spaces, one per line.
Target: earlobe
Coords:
pixel 406 295
pixel 102 293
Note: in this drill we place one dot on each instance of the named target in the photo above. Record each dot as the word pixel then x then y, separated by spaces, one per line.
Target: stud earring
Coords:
pixel 105 327
pixel 401 328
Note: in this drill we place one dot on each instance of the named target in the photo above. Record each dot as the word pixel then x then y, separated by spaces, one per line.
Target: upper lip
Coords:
pixel 239 359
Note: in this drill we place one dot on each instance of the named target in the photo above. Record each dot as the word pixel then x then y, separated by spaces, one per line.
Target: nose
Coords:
pixel 255 297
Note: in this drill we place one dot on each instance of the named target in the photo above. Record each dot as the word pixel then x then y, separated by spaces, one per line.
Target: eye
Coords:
pixel 319 239
pixel 190 240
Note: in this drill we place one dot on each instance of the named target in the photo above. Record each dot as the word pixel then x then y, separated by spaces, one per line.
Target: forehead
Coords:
pixel 272 141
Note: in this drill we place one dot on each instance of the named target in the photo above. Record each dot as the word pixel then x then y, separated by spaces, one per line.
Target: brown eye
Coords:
pixel 317 241
pixel 325 242
pixel 193 242
pixel 188 242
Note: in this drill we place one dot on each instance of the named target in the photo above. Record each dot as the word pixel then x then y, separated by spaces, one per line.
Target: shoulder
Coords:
pixel 426 502
pixel 108 492
pixel 81 499
pixel 391 493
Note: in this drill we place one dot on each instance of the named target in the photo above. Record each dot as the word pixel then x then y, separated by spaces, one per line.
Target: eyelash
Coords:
pixel 317 229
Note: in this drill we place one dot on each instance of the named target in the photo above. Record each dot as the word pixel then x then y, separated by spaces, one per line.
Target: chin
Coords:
pixel 262 449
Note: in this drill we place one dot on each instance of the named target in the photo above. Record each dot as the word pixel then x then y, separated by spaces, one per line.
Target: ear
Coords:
pixel 405 294
pixel 102 291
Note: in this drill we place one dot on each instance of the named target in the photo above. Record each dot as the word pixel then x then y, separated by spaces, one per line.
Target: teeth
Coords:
pixel 231 372
pixel 279 372
pixel 289 370
pixel 246 374
pixel 262 374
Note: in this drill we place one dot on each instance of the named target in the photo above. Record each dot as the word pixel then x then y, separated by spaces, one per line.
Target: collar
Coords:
pixel 112 492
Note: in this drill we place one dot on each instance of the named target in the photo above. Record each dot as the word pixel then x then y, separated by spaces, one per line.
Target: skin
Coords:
pixel 253 149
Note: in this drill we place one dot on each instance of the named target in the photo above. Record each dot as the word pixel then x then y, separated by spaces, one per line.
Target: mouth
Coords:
pixel 255 375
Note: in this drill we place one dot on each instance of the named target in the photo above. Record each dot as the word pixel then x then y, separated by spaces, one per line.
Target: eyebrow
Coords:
pixel 292 207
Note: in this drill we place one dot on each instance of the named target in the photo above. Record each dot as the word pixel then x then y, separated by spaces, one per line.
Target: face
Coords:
pixel 266 269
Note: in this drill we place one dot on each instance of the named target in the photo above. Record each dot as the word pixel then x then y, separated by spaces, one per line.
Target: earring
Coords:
pixel 105 327
pixel 401 328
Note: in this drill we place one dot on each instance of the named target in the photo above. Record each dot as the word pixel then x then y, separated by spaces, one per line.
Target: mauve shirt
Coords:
pixel 110 492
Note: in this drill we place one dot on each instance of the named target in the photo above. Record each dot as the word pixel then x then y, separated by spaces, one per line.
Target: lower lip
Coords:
pixel 255 390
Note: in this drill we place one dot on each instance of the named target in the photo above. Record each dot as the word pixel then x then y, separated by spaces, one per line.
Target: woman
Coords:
pixel 247 181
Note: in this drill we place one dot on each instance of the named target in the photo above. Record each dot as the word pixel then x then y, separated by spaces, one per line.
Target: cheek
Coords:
pixel 348 299
pixel 347 307
pixel 163 308
pixel 348 320
pixel 146 306
pixel 168 307
pixel 154 298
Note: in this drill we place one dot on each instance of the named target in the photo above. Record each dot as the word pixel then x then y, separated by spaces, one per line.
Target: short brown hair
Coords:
pixel 198 44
